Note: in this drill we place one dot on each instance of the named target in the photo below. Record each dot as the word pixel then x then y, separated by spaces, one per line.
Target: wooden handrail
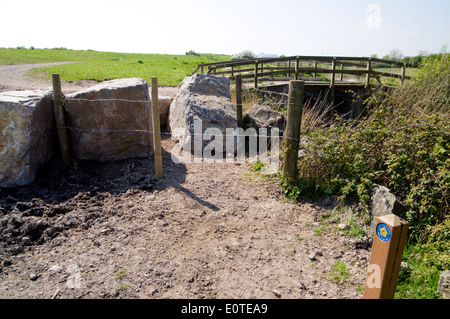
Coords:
pixel 303 58
pixel 258 66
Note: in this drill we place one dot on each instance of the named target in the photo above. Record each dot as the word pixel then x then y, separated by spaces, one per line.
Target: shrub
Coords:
pixel 192 52
pixel 402 144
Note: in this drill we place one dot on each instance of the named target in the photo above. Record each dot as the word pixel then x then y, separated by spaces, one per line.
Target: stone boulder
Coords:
pixel 27 130
pixel 164 108
pixel 204 99
pixel 385 203
pixel 263 116
pixel 110 121
pixel 444 284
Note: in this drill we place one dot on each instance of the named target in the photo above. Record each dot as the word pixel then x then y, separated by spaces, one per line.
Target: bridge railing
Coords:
pixel 315 67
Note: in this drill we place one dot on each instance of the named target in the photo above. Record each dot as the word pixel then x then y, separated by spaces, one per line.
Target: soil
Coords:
pixel 111 230
pixel 220 230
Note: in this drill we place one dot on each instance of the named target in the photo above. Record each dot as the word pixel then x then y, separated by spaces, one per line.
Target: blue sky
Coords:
pixel 289 27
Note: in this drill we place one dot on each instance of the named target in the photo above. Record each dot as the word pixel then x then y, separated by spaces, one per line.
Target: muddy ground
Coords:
pixel 218 230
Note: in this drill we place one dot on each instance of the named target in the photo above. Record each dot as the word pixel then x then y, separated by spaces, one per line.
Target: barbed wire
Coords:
pixel 280 136
pixel 270 104
pixel 165 101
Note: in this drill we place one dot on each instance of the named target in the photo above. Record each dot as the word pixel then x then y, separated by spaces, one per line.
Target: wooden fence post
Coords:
pixel 333 80
pixel 403 73
pixel 297 66
pixel 58 111
pixel 387 250
pixel 256 74
pixel 315 67
pixel 239 99
pixel 369 67
pixel 295 108
pixel 156 129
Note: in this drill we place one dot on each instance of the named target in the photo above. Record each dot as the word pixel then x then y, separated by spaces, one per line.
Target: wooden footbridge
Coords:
pixel 329 76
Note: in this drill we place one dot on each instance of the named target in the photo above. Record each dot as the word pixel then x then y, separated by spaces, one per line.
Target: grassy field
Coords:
pixel 102 66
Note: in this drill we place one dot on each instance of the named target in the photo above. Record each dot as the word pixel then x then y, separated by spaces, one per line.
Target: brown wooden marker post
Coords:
pixel 387 251
pixel 156 129
pixel 58 111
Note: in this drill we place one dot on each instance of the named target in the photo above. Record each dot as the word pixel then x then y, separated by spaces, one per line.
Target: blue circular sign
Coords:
pixel 383 232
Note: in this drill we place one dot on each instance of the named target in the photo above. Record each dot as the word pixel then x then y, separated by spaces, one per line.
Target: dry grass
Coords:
pixel 315 111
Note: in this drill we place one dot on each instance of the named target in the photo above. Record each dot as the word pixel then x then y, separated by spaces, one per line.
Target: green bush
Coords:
pixel 402 144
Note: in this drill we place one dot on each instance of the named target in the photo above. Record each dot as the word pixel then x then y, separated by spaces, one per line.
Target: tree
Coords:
pixel 244 55
pixel 395 55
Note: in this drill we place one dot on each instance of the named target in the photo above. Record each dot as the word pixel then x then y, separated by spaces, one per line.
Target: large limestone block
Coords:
pixel 26 133
pixel 110 121
pixel 263 116
pixel 164 108
pixel 204 99
pixel 444 284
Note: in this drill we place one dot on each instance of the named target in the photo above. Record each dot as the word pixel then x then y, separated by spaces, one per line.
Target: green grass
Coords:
pixel 339 272
pixel 420 280
pixel 102 66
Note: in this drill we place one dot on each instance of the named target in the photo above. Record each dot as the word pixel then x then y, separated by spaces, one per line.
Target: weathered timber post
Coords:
pixel 239 99
pixel 403 73
pixel 357 109
pixel 297 66
pixel 369 68
pixel 342 72
pixel 58 111
pixel 256 74
pixel 156 129
pixel 295 108
pixel 333 80
pixel 315 67
pixel 387 250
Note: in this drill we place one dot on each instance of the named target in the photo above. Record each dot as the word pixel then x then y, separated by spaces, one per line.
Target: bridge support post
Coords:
pixel 369 67
pixel 297 65
pixel 256 74
pixel 333 80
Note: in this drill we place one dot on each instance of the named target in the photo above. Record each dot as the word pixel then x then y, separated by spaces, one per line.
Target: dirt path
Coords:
pixel 16 77
pixel 204 231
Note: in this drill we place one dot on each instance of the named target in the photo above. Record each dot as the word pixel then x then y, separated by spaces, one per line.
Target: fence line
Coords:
pixel 62 128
